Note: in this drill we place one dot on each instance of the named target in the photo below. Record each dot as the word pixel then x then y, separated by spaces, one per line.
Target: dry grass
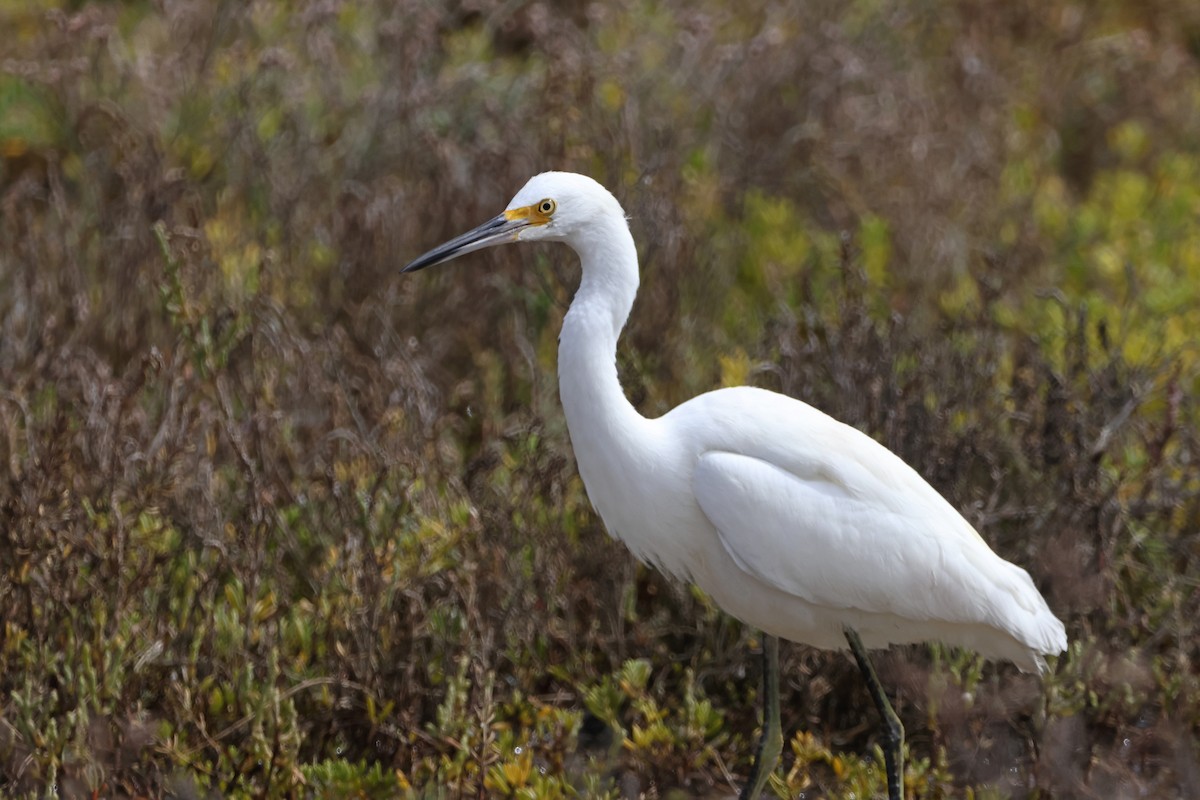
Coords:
pixel 278 522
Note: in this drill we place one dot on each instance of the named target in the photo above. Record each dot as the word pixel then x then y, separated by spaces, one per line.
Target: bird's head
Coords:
pixel 552 206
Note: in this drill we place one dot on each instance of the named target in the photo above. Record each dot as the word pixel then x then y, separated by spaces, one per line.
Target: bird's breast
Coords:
pixel 643 493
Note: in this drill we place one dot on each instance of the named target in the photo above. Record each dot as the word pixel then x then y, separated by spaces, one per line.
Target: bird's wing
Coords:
pixel 823 539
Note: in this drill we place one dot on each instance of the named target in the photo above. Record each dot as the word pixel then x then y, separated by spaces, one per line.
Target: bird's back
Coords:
pixel 814 516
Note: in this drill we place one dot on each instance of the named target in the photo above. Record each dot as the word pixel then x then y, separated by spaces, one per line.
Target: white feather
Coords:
pixel 790 520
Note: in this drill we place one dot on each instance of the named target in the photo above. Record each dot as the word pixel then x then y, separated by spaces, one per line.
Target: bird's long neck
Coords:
pixel 592 397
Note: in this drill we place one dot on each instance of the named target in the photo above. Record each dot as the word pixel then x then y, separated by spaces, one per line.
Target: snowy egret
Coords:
pixel 791 521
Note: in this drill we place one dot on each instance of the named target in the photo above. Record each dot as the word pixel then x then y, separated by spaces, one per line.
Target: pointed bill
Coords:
pixel 500 229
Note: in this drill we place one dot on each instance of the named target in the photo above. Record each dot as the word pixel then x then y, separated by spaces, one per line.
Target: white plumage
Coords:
pixel 793 522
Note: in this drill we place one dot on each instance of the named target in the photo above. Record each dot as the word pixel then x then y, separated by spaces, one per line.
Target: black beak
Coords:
pixel 500 229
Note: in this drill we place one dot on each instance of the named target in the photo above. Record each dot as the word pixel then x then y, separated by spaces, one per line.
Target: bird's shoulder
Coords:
pixel 785 432
pixel 811 446
pixel 749 411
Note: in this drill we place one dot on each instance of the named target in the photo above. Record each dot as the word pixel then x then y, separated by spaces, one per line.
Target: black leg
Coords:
pixel 770 742
pixel 893 731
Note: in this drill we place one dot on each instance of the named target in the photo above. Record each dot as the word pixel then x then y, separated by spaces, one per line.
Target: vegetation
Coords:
pixel 277 522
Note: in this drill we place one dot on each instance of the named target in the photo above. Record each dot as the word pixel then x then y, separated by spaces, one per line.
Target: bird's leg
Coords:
pixel 770 742
pixel 893 731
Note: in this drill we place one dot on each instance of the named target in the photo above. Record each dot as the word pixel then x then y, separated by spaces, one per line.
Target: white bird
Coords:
pixel 793 522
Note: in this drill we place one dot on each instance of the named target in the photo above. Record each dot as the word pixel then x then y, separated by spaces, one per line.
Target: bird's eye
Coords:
pixel 547 206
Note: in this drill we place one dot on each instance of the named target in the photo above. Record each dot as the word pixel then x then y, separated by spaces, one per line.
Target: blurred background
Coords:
pixel 279 522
